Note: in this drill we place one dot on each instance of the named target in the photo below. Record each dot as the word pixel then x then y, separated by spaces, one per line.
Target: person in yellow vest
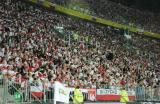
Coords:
pixel 78 96
pixel 124 96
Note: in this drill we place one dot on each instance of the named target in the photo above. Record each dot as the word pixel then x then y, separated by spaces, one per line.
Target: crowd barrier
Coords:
pixel 25 92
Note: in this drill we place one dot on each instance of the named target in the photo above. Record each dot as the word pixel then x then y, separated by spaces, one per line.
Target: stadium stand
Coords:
pixel 117 13
pixel 40 47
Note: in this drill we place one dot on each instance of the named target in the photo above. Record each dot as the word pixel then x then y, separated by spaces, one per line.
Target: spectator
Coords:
pixel 35 44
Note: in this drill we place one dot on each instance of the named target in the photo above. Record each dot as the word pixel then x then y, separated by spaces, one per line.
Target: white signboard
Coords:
pixel 61 93
pixel 113 92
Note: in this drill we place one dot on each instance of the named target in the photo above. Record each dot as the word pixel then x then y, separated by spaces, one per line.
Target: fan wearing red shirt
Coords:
pixel 122 82
pixel 101 69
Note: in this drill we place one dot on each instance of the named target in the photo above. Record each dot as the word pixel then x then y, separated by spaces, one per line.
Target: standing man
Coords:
pixel 78 96
pixel 124 96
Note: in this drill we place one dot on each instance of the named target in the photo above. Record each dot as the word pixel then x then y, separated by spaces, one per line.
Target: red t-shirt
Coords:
pixel 30 69
pixel 122 82
pixel 42 75
pixel 101 69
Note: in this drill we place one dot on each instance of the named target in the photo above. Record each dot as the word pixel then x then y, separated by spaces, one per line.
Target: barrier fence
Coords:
pixel 20 93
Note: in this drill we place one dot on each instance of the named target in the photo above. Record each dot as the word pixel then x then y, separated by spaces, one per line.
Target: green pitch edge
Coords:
pixel 71 12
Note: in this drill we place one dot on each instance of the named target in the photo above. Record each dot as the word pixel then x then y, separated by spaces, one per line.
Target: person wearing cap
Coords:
pixel 124 96
pixel 78 96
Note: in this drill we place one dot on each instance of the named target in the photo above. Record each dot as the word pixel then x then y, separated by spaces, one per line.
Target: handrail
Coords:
pixel 147 94
pixel 15 89
pixel 21 93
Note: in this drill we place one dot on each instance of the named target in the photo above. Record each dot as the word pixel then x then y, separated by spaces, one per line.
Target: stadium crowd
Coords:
pixel 31 50
pixel 116 12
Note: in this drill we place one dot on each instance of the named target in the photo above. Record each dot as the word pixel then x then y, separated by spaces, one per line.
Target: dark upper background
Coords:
pixel 143 5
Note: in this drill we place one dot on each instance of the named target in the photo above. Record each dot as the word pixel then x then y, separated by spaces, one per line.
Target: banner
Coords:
pixel 37 91
pixel 36 88
pixel 112 95
pixel 61 93
pixel 91 94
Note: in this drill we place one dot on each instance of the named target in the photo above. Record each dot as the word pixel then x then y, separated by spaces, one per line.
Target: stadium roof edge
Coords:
pixel 67 11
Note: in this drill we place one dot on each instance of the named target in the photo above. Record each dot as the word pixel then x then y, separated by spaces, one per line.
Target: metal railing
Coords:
pixel 148 94
pixel 6 92
pixel 18 93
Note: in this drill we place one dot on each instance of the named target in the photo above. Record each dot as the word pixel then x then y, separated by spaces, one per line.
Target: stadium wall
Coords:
pixel 74 13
